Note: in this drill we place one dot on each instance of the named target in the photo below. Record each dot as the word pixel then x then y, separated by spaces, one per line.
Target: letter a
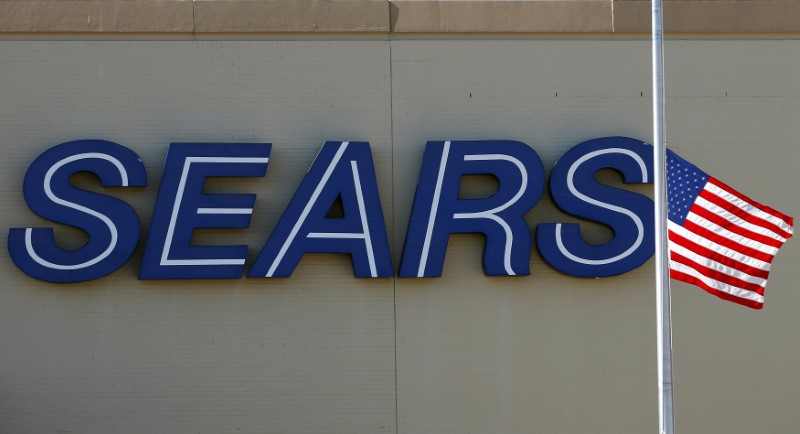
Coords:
pixel 342 169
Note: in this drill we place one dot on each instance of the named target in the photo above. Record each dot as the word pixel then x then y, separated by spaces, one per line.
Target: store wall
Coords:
pixel 323 352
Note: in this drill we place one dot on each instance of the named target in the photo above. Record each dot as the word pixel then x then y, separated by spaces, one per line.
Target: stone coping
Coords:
pixel 399 16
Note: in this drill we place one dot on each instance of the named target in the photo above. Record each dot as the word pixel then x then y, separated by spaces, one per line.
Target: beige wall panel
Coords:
pixel 734 110
pixel 555 354
pixel 310 354
pixel 318 353
pixel 544 353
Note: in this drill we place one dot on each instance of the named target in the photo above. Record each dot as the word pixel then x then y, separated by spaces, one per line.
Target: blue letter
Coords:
pixel 438 211
pixel 182 206
pixel 112 225
pixel 630 215
pixel 342 169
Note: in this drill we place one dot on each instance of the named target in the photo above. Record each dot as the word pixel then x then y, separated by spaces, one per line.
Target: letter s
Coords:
pixel 112 225
pixel 576 191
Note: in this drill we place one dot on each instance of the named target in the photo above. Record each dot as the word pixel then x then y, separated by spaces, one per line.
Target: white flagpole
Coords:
pixel 663 315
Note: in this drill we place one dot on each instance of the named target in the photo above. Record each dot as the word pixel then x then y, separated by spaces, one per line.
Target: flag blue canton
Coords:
pixel 684 183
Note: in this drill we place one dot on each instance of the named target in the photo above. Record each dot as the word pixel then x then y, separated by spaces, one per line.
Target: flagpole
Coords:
pixel 663 315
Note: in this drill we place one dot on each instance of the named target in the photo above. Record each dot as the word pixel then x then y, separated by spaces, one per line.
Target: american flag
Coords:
pixel 719 239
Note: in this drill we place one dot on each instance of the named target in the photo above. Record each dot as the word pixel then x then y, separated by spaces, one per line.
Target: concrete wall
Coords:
pixel 323 352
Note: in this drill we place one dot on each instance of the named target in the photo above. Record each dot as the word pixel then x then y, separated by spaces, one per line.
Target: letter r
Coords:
pixel 438 212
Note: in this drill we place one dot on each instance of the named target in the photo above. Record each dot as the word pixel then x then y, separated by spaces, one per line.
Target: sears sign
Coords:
pixel 342 169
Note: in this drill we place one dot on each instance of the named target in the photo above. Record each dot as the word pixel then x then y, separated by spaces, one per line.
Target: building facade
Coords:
pixel 323 351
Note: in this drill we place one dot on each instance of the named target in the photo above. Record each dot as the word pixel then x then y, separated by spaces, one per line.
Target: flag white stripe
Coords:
pixel 766 229
pixel 722 232
pixel 718 248
pixel 748 207
pixel 714 265
pixel 719 286
pixel 735 220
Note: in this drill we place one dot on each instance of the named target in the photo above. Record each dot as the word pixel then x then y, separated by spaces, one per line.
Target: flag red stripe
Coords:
pixel 723 295
pixel 708 215
pixel 722 259
pixel 742 214
pixel 716 275
pixel 762 207
pixel 733 245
